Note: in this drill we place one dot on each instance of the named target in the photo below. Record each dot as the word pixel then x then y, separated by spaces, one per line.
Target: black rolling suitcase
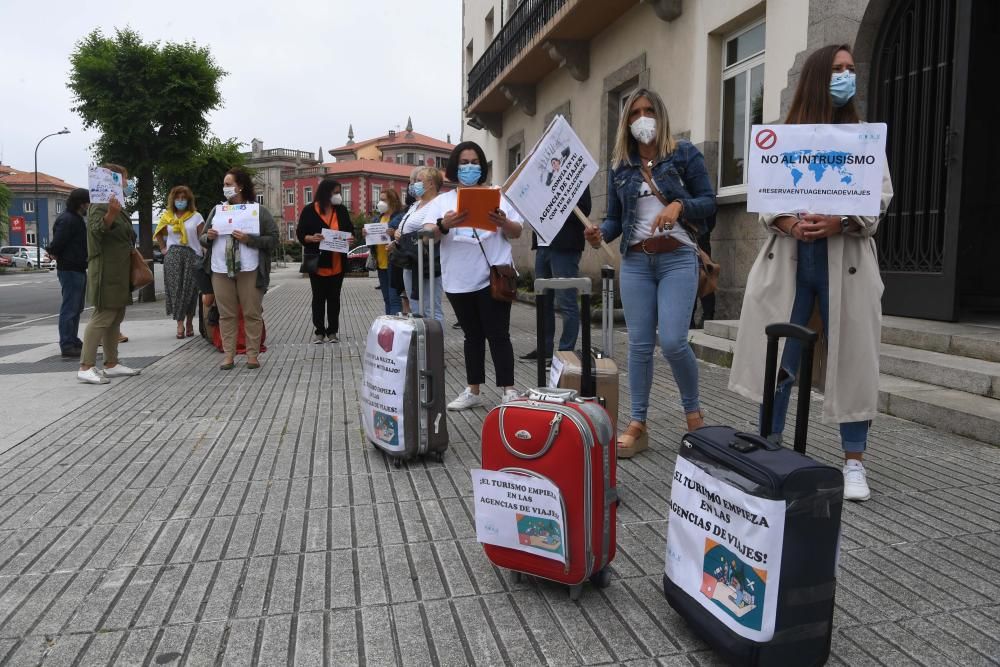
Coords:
pixel 403 402
pixel 753 535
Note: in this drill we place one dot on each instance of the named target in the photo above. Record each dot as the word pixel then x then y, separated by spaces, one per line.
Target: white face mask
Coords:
pixel 644 129
pixel 336 200
pixel 228 192
pixel 382 207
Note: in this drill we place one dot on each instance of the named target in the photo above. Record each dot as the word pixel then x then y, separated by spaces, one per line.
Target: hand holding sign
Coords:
pixel 104 185
pixel 334 241
pixel 237 217
pixel 376 233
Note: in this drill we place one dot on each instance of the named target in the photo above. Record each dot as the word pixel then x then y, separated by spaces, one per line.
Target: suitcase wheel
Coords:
pixel 601 578
pixel 515 577
pixel 439 457
pixel 574 592
pixel 397 462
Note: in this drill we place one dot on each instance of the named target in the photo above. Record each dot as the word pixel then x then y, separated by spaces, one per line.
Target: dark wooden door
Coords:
pixel 918 87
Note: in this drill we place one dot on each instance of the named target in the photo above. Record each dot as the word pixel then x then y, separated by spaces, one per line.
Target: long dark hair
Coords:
pixel 812 102
pixel 323 193
pixel 245 183
pixel 451 171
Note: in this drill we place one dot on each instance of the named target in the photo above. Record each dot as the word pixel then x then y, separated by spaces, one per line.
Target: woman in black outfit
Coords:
pixel 326 211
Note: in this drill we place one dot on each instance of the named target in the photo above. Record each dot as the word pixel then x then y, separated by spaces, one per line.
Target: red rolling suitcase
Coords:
pixel 546 498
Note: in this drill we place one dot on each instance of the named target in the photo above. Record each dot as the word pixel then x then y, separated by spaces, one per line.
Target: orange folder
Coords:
pixel 479 202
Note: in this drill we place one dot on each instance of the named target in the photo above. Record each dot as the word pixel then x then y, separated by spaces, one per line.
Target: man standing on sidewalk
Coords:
pixel 561 259
pixel 69 247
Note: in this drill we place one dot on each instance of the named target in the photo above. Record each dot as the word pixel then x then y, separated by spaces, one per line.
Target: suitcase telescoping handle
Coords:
pixel 427 234
pixel 807 337
pixel 608 310
pixel 544 301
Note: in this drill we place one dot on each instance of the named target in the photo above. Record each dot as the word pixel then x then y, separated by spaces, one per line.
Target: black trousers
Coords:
pixel 484 319
pixel 326 303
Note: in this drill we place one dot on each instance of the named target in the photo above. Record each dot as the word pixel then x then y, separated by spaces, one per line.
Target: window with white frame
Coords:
pixel 376 194
pixel 307 194
pixel 291 232
pixel 420 159
pixel 742 102
pixel 30 238
pixel 60 207
pixel 345 192
pixel 260 199
pixel 289 197
pixel 29 206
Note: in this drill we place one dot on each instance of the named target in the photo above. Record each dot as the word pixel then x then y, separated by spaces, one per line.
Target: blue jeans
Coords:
pixel 411 291
pixel 553 263
pixel 811 283
pixel 393 304
pixel 658 293
pixel 74 289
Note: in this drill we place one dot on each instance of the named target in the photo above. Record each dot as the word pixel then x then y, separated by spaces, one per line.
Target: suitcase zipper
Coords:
pixel 739 464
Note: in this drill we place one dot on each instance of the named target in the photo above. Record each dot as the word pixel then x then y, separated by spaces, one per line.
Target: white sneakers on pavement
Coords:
pixel 855 481
pixel 510 395
pixel 466 400
pixel 318 339
pixel 119 371
pixel 92 375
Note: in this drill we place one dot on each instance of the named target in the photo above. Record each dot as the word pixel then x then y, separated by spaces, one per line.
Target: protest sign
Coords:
pixel 334 241
pixel 519 512
pixel 377 233
pixel 828 169
pixel 547 185
pixel 724 549
pixel 236 217
pixel 385 364
pixel 103 184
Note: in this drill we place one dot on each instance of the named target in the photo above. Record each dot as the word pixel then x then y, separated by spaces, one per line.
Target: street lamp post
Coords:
pixel 38 222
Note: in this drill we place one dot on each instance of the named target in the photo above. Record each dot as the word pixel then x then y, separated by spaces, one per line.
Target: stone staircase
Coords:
pixel 939 374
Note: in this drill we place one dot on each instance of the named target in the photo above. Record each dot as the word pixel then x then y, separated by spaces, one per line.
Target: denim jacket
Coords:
pixel 679 176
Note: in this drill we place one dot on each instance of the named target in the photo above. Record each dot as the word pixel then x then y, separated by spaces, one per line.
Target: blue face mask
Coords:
pixel 180 204
pixel 842 87
pixel 417 189
pixel 469 174
pixel 129 189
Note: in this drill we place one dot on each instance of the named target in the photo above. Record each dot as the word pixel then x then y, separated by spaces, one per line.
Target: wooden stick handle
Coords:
pixel 604 246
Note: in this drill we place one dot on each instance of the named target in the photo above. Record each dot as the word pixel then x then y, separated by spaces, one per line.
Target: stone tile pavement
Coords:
pixel 190 516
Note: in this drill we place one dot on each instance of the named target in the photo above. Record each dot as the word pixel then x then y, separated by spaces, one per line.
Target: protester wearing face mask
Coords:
pixel 425 188
pixel 827 261
pixel 240 266
pixel 389 212
pixel 466 258
pixel 110 240
pixel 69 247
pixel 177 234
pixel 327 211
pixel 659 197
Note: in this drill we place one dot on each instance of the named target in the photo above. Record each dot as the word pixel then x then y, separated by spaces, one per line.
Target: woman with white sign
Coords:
pixel 390 212
pixel 425 187
pixel 824 258
pixel 326 211
pixel 240 266
pixel 467 254
pixel 659 198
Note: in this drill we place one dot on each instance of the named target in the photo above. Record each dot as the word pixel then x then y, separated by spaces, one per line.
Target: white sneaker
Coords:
pixel 855 481
pixel 333 338
pixel 510 395
pixel 92 376
pixel 120 371
pixel 318 339
pixel 466 400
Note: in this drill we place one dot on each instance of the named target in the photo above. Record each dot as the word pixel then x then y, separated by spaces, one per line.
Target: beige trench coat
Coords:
pixel 855 326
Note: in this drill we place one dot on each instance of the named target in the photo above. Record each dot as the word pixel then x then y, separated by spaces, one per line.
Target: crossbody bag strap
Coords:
pixel 648 177
pixel 475 232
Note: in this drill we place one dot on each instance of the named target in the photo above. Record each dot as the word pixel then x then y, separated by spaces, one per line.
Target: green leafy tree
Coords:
pixel 202 172
pixel 5 197
pixel 150 103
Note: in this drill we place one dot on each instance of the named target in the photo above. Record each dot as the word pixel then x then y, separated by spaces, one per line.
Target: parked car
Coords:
pixel 357 258
pixel 26 257
pixel 5 261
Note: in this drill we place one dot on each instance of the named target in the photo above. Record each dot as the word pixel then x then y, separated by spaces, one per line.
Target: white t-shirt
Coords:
pixel 463 267
pixel 249 257
pixel 414 218
pixel 191 228
pixel 648 206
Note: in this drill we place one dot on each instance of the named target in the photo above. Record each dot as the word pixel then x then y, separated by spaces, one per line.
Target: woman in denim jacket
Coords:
pixel 659 269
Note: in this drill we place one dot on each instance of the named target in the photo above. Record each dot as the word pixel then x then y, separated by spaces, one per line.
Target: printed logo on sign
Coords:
pixel 766 139
pixel 733 585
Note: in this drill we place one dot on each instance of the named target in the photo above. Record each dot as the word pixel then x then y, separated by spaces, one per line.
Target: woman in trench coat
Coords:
pixel 829 259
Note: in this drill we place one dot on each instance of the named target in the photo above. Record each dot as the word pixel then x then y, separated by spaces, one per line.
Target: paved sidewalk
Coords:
pixel 190 516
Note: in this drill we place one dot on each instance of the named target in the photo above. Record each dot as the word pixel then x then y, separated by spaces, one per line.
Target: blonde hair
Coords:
pixel 625 143
pixel 181 191
pixel 434 173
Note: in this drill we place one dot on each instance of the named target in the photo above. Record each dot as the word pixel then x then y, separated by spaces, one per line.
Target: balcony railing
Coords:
pixel 527 21
pixel 282 153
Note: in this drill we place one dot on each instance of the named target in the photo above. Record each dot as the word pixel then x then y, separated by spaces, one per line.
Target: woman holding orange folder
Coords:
pixel 469 247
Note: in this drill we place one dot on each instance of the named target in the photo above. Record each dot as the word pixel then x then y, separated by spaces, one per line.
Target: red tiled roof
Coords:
pixel 369 167
pixel 415 139
pixel 14 178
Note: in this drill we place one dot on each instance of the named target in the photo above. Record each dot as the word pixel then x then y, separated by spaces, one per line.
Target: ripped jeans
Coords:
pixel 811 283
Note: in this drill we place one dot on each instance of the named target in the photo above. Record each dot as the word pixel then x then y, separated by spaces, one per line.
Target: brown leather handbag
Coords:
pixel 139 274
pixel 503 278
pixel 708 270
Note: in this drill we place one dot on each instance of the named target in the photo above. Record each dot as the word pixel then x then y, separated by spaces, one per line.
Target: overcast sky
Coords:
pixel 299 70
